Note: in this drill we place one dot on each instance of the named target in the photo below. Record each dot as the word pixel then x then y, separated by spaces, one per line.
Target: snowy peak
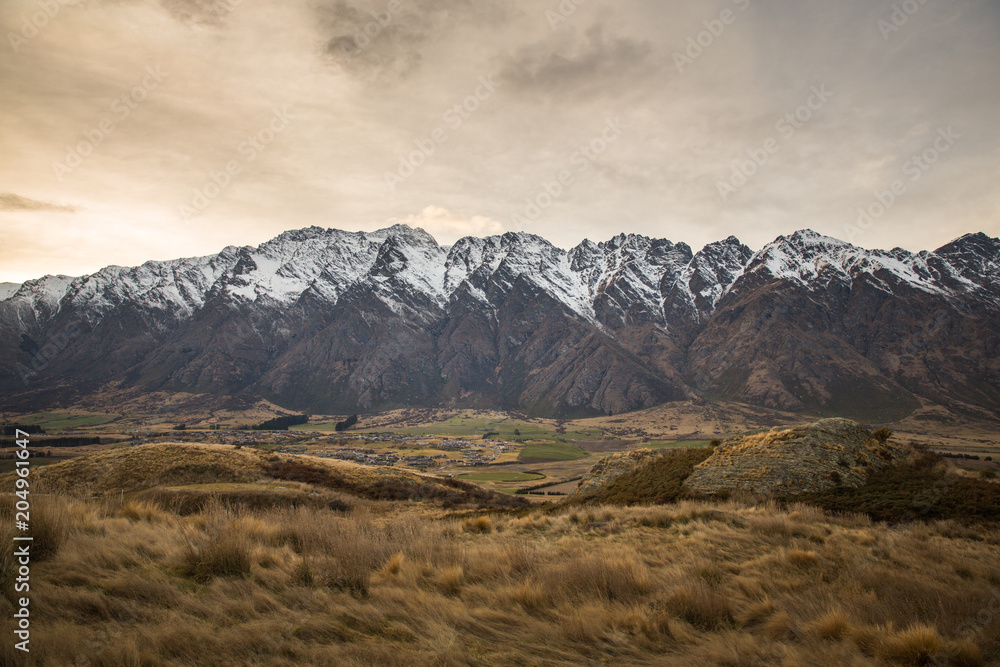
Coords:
pixel 805 257
pixel 696 291
pixel 625 276
pixel 405 234
pixel 975 260
pixel 966 268
pixel 409 262
pixel 36 301
pixel 8 290
pixel 978 245
pixel 627 279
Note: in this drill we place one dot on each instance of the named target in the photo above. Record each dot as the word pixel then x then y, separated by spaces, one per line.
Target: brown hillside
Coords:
pixel 130 469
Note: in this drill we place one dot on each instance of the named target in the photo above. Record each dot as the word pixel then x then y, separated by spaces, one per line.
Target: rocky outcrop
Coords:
pixel 612 467
pixel 819 456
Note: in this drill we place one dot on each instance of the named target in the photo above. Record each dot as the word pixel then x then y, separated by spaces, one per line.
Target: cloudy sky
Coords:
pixel 153 129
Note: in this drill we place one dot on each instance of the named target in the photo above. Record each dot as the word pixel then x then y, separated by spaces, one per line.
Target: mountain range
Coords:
pixel 328 321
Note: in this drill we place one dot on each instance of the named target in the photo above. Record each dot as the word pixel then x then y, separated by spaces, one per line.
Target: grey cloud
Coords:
pixel 358 113
pixel 206 12
pixel 393 48
pixel 13 202
pixel 593 64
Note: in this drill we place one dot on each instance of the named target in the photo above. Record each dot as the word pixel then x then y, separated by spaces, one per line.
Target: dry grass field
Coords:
pixel 286 571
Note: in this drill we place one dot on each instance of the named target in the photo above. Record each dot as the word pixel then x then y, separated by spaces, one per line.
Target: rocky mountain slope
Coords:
pixel 331 321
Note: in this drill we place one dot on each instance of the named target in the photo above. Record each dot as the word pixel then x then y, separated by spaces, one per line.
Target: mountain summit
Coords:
pixel 332 321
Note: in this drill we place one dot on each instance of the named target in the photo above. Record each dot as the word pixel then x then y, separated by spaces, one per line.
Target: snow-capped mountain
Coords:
pixel 327 320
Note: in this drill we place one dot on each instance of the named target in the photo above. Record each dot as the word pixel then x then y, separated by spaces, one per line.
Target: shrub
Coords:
pixel 615 577
pixel 303 574
pixel 394 564
pixel 348 576
pixel 916 489
pixel 140 511
pixel 882 434
pixel 479 524
pixel 224 550
pixel 658 481
pixel 530 595
pixel 701 606
pixel 450 580
pixel 833 625
pixel 50 526
pixel 802 558
pixel 917 645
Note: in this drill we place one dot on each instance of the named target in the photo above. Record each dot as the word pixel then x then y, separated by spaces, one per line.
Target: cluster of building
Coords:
pixel 423 461
pixel 251 438
pixel 365 456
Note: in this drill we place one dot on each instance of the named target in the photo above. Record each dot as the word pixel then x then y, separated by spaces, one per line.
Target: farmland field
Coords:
pixel 674 444
pixel 502 477
pixel 555 451
pixel 60 421
pixel 473 427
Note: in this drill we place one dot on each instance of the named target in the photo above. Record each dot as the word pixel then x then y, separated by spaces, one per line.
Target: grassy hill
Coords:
pixel 128 470
pixel 218 556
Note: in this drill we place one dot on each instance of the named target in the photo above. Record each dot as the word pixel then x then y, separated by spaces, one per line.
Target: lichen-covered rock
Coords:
pixel 612 467
pixel 819 456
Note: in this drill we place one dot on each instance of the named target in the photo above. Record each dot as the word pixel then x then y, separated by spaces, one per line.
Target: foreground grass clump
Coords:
pixel 151 582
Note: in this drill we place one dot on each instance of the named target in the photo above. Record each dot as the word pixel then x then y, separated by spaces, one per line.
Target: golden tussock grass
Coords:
pixel 731 583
